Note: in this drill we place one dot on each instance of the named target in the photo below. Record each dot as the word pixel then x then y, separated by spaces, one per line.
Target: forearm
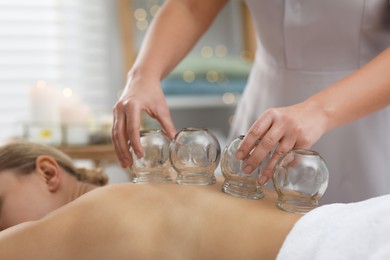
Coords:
pixel 172 34
pixel 363 92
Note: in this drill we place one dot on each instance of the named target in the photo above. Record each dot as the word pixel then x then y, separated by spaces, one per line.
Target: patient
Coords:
pixel 125 221
pixel 37 179
pixel 166 221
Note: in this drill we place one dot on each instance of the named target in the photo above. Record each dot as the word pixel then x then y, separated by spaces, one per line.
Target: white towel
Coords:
pixel 341 231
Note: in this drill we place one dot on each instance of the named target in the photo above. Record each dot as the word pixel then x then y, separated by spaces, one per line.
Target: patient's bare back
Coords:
pixel 161 221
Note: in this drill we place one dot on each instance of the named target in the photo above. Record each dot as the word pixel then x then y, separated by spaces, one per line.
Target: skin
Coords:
pixel 296 126
pixel 32 196
pixel 164 221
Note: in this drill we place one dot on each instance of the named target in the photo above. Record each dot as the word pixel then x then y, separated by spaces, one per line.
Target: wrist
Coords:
pixel 138 77
pixel 140 72
pixel 322 112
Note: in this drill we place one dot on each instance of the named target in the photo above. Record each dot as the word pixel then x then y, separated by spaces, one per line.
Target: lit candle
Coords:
pixel 44 114
pixel 44 104
pixel 74 116
pixel 73 110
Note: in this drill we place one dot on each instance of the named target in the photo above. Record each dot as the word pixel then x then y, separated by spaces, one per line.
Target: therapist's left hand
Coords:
pixel 297 126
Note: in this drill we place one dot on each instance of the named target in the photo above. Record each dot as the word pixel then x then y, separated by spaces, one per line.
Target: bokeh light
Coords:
pixel 212 76
pixel 140 14
pixel 142 25
pixel 189 76
pixel 228 98
pixel 207 52
pixel 221 50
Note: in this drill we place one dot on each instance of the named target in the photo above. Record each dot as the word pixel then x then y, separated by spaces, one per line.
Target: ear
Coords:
pixel 50 171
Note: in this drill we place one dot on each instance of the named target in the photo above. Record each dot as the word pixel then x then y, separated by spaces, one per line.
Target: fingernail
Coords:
pixel 262 180
pixel 248 169
pixel 125 163
pixel 139 155
pixel 240 155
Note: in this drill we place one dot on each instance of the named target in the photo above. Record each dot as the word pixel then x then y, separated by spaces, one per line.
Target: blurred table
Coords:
pixel 100 154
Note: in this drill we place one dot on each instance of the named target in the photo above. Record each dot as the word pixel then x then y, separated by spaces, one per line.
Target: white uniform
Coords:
pixel 305 46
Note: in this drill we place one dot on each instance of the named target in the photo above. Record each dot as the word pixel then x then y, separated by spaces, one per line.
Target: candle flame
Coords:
pixel 67 92
pixel 41 84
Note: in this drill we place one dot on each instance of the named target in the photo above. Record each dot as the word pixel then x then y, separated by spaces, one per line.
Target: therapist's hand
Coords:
pixel 297 126
pixel 140 94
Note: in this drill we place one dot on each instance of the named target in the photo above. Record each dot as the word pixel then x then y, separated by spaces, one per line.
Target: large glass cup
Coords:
pixel 195 154
pixel 155 165
pixel 300 178
pixel 237 182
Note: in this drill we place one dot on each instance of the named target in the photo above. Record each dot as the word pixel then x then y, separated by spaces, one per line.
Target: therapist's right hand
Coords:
pixel 140 94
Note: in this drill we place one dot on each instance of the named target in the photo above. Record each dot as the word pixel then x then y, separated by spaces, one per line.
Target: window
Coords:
pixel 66 43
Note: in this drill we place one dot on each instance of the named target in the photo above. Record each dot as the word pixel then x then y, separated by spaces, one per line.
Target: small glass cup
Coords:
pixel 300 178
pixel 154 166
pixel 195 154
pixel 238 183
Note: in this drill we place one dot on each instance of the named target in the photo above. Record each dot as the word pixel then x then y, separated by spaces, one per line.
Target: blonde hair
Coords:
pixel 21 157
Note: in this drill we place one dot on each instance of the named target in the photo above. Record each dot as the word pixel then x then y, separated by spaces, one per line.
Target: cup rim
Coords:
pixel 193 129
pixel 150 131
pixel 302 151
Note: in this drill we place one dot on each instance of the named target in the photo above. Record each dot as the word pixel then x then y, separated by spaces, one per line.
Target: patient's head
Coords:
pixel 36 179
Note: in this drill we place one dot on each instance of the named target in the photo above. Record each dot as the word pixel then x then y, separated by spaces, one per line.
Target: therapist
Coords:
pixel 303 47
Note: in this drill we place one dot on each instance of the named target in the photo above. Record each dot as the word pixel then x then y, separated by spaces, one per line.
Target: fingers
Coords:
pixel 262 149
pixel 261 126
pixel 274 127
pixel 120 139
pixel 259 141
pixel 133 125
pixel 167 124
pixel 126 129
pixel 284 146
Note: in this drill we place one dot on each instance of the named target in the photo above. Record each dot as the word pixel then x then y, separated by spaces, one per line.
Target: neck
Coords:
pixel 79 189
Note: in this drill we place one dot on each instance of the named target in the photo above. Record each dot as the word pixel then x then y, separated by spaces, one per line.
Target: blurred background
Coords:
pixel 63 65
